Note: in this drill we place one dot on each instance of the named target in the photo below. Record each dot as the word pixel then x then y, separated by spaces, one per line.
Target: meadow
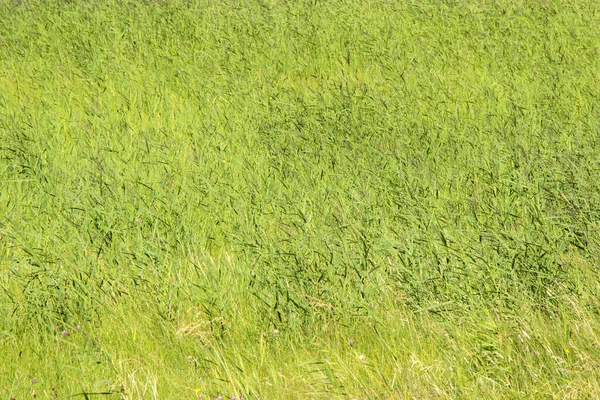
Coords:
pixel 271 199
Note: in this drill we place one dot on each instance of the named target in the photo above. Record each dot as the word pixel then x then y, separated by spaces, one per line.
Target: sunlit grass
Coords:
pixel 291 200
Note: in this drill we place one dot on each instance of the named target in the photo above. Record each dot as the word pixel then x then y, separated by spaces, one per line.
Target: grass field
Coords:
pixel 270 199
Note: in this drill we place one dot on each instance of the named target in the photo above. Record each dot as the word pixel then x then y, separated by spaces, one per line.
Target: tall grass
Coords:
pixel 292 200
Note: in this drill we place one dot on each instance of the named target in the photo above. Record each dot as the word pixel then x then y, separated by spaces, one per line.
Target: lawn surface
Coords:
pixel 337 199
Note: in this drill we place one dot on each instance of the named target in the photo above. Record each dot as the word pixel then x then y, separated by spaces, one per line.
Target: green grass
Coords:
pixel 300 199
